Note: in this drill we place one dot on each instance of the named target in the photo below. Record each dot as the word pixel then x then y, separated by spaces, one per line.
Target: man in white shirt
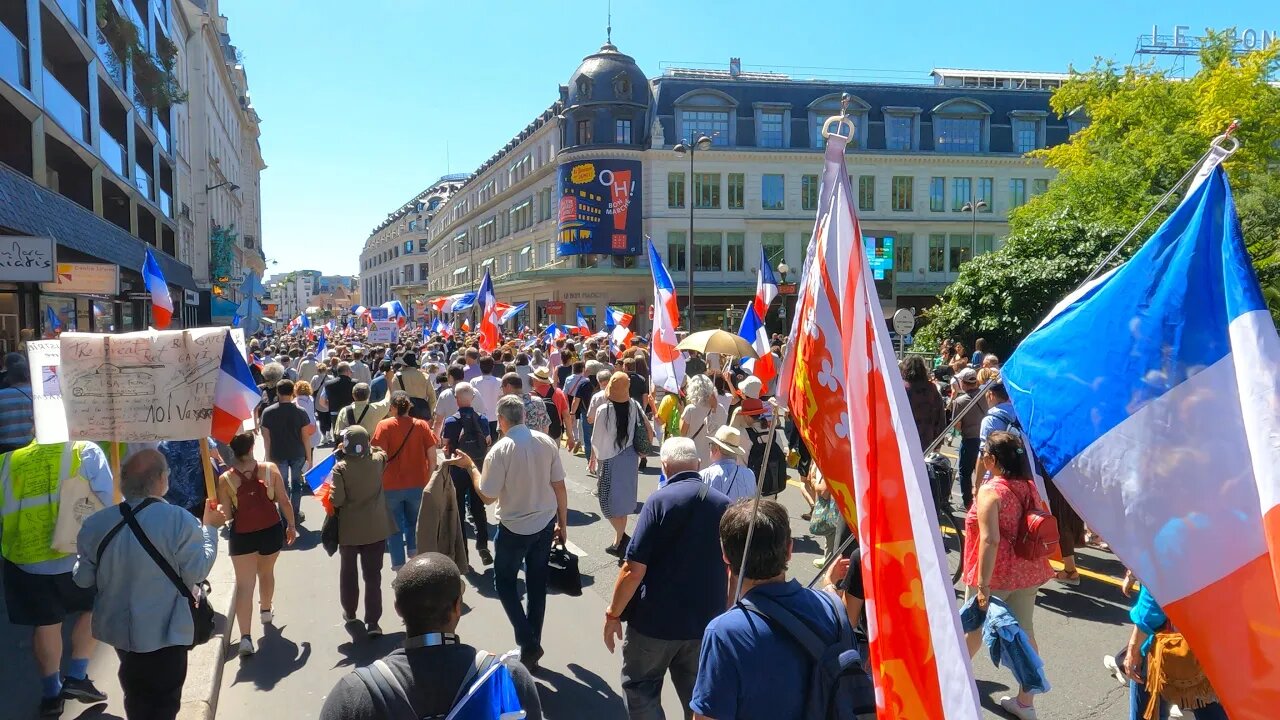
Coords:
pixel 727 473
pixel 359 371
pixel 446 403
pixel 488 390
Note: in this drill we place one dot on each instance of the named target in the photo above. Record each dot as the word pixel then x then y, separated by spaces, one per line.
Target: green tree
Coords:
pixel 1145 130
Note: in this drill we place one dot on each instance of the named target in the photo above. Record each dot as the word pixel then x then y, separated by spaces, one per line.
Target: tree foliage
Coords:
pixel 1146 129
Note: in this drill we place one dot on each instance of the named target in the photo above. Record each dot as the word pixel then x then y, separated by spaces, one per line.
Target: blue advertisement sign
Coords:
pixel 879 255
pixel 377 313
pixel 599 207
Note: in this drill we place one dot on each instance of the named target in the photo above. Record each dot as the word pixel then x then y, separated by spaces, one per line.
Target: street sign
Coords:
pixel 904 321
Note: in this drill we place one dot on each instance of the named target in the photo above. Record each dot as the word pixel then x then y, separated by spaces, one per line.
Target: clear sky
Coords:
pixel 365 103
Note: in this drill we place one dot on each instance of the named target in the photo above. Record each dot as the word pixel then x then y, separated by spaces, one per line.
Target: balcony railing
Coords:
pixel 110 60
pixel 14 62
pixel 114 154
pixel 162 135
pixel 166 204
pixel 144 35
pixel 76 12
pixel 65 108
pixel 142 179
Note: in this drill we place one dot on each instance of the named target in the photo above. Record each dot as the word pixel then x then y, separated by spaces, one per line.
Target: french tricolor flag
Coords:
pixel 1152 396
pixel 667 365
pixel 161 303
pixel 321 473
pixel 753 330
pixel 234 393
pixel 582 328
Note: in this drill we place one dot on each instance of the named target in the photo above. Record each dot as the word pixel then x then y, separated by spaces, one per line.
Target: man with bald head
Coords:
pixel 434 662
pixel 139 611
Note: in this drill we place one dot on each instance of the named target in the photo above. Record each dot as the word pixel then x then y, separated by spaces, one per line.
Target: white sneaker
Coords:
pixel 1175 711
pixel 266 616
pixel 1017 709
pixel 1109 662
pixel 246 646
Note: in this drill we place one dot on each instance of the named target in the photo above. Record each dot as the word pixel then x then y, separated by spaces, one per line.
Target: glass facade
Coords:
pixel 937 194
pixel 961 189
pixel 898 132
pixel 706 190
pixel 1026 135
pixel 901 190
pixel 809 185
pixel 675 190
pixel 706 252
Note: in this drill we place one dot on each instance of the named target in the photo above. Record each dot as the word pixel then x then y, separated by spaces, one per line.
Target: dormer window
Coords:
pixel 961 125
pixel 584 88
pixel 828 106
pixel 1028 130
pixel 622 86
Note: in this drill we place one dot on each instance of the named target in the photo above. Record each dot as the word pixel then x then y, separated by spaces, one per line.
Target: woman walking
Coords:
pixel 262 523
pixel 698 420
pixel 613 443
pixel 991 567
pixel 303 399
pixel 363 527
pixel 324 418
pixel 411 460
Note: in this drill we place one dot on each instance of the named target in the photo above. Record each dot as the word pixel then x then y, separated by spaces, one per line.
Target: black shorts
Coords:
pixel 267 541
pixel 35 600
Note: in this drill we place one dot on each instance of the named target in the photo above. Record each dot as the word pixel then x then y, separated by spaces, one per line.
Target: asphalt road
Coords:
pixel 308 649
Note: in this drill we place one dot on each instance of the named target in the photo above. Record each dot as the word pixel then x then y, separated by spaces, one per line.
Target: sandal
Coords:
pixel 1067 578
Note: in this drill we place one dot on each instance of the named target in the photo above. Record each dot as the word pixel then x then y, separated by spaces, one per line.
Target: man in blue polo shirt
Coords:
pixel 672 583
pixel 749 671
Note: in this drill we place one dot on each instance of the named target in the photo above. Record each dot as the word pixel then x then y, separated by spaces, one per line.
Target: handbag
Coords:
pixel 76 501
pixel 562 571
pixel 329 533
pixel 823 519
pixel 640 433
pixel 201 610
pixel 1175 675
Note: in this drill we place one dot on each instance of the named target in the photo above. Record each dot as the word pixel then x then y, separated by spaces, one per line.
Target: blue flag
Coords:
pixel 55 324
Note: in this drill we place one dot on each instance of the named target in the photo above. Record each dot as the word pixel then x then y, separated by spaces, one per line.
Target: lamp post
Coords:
pixel 690 148
pixel 783 270
pixel 973 208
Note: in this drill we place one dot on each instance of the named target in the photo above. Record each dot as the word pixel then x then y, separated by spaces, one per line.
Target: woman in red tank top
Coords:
pixel 262 523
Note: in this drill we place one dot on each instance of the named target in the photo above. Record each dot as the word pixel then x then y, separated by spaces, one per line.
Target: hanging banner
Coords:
pixel 600 210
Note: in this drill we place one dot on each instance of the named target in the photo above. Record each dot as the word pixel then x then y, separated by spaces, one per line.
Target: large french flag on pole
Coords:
pixel 161 303
pixel 667 366
pixel 849 403
pixel 234 393
pixel 1153 399
pixel 582 328
pixel 488 302
pixel 753 330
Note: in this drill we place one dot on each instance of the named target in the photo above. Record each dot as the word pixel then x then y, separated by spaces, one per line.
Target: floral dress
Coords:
pixel 1011 572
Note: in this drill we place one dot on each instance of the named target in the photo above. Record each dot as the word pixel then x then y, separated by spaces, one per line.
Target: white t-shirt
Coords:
pixel 519 471
pixel 446 404
pixel 488 392
pixel 700 421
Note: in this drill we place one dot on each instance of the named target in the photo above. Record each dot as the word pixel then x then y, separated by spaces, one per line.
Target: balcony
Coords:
pixel 76 12
pixel 14 64
pixel 114 154
pixel 162 134
pixel 131 12
pixel 166 204
pixel 65 108
pixel 110 61
pixel 142 179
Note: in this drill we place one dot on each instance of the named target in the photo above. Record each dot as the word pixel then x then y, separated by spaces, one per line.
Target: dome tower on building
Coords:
pixel 607 102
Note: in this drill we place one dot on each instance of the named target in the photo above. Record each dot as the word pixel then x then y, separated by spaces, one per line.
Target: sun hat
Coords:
pixel 619 388
pixel 751 387
pixel 729 439
pixel 542 375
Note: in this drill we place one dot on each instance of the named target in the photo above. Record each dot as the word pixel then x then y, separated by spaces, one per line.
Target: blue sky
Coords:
pixel 362 101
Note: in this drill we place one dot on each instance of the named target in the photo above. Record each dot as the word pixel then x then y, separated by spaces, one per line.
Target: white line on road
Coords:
pixel 575 549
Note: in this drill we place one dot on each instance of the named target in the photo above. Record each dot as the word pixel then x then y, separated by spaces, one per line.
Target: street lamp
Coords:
pixel 690 148
pixel 234 187
pixel 973 208
pixel 783 270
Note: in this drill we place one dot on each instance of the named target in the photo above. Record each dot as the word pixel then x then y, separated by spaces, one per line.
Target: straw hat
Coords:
pixel 542 375
pixel 729 440
pixel 619 388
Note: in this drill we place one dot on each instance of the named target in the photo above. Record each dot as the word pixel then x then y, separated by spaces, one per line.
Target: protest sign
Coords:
pixel 46 391
pixel 383 331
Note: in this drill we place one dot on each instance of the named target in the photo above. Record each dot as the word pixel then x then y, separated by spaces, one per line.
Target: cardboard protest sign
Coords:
pixel 383 331
pixel 46 391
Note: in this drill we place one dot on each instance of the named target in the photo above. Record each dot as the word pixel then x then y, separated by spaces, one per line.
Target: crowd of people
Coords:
pixel 432 435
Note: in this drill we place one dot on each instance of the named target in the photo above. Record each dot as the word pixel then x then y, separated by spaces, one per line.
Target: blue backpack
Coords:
pixel 487 692
pixel 839 686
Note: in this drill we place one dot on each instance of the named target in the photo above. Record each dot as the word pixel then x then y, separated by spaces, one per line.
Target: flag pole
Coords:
pixel 755 502
pixel 207 463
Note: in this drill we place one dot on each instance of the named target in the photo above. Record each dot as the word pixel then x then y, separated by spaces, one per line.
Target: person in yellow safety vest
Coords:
pixel 39 591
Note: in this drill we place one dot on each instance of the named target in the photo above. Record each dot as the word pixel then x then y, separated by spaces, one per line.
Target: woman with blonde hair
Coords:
pixel 701 415
pixel 613 445
pixel 302 393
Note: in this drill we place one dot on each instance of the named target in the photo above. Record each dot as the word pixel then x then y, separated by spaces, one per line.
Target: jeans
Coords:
pixel 470 503
pixel 291 471
pixel 645 661
pixel 585 433
pixel 370 557
pixel 511 551
pixel 152 682
pixel 968 461
pixel 403 505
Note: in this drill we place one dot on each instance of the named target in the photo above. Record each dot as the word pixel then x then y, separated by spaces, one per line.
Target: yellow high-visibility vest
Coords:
pixel 32 478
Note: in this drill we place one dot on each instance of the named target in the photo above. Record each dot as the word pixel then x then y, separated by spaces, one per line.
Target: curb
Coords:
pixel 205 663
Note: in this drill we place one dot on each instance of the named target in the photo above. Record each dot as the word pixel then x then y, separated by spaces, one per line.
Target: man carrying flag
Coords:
pixel 667 364
pixel 753 330
pixel 161 303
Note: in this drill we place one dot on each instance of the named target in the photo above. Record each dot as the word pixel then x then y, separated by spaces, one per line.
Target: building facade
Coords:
pixel 97 156
pixel 936 168
pixel 394 254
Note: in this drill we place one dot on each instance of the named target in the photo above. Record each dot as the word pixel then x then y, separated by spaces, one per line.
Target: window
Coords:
pixel 675 190
pixel 1039 186
pixel 676 251
pixel 422 271
pixel 706 252
pixel 1026 135
pixel 961 192
pixel 1075 125
pixel 408 247
pixel 775 248
pixel 984 193
pixel 735 251
pixel 773 192
pixel 543 252
pixel 706 190
pixel 959 252
pixel 736 190
pixel 903 254
pixel 712 123
pixel 937 194
pixel 584 132
pixel 408 273
pixel 957 135
pixel 898 131
pixel 866 192
pixel 937 252
pixel 771 135
pixel 983 244
pixel 901 189
pixel 809 192
pixel 622 132
pixel 1017 192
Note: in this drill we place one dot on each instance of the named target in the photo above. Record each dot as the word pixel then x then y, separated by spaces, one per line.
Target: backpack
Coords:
pixel 487 692
pixel 472 443
pixel 839 686
pixel 775 472
pixel 549 402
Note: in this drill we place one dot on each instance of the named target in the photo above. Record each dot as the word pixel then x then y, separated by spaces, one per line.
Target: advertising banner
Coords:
pixel 599 210
pixel 85 279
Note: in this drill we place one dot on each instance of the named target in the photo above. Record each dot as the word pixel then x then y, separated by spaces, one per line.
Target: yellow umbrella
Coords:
pixel 718 341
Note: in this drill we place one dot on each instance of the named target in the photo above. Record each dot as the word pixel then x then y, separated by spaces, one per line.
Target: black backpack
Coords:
pixel 471 439
pixel 549 400
pixel 775 471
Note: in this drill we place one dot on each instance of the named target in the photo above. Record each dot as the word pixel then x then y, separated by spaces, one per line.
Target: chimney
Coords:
pixel 735 67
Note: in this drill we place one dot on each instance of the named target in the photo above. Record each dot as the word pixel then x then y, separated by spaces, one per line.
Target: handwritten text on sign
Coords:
pixel 142 386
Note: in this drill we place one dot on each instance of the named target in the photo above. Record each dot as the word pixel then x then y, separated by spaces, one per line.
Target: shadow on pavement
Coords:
pixel 986 689
pixel 306 540
pixel 277 658
pixel 586 695
pixel 95 712
pixel 361 651
pixel 577 518
pixel 807 544
pixel 1075 604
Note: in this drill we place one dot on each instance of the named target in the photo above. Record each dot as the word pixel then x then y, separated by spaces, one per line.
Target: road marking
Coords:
pixel 575 549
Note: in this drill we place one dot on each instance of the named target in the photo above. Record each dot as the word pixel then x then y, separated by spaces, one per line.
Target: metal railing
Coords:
pixel 15 63
pixel 114 153
pixel 65 108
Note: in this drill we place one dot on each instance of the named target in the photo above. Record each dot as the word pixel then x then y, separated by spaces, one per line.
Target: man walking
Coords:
pixel 446 403
pixel 421 391
pixel 969 423
pixel 488 389
pixel 556 405
pixel 671 585
pixel 523 474
pixel 39 591
pixel 726 472
pixel 535 411
pixel 286 438
pixel 467 431
pixel 359 371
pixel 340 389
pixel 362 411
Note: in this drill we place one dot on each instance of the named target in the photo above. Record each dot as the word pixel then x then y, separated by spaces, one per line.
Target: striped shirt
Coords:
pixel 17 422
